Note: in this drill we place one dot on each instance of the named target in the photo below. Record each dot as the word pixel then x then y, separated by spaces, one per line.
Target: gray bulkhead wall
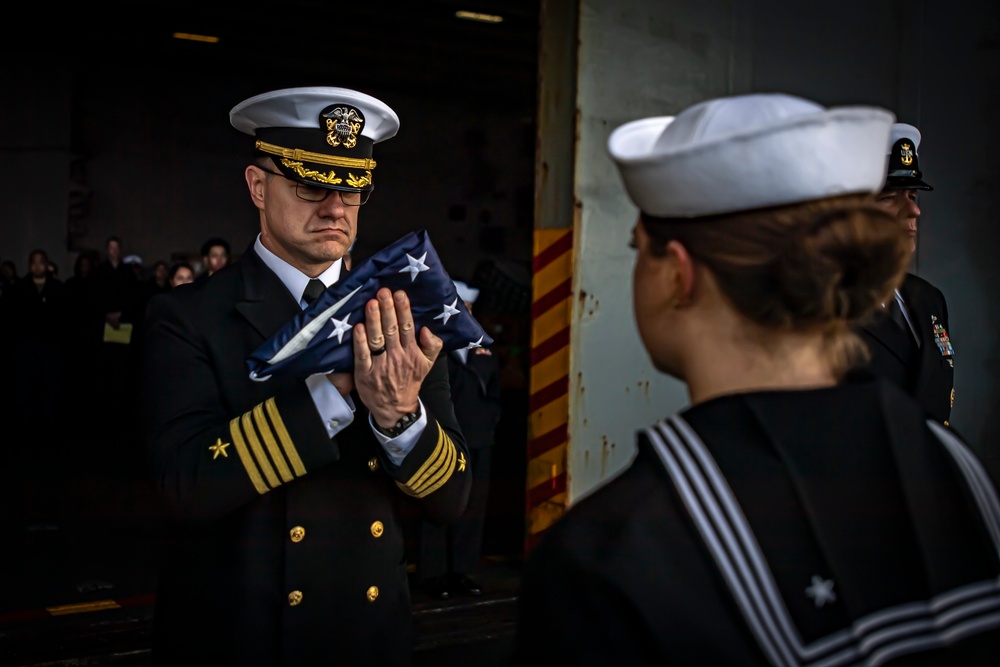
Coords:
pixel 935 68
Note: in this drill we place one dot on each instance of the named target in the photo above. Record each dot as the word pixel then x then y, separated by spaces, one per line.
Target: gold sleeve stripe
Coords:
pixel 440 473
pixel 432 461
pixel 286 440
pixel 432 484
pixel 437 470
pixel 272 445
pixel 241 449
pixel 443 472
pixel 258 451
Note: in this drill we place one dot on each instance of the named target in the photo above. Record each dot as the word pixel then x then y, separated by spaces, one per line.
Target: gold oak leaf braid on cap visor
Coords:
pixel 280 449
pixel 437 470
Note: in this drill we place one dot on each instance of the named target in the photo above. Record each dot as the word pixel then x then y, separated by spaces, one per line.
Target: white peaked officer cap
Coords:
pixel 319 136
pixel 750 151
pixel 466 293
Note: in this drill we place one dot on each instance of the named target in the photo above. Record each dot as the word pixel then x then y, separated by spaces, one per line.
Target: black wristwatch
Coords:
pixel 402 424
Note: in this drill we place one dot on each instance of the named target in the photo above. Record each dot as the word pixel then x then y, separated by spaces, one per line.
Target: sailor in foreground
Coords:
pixel 795 513
pixel 289 549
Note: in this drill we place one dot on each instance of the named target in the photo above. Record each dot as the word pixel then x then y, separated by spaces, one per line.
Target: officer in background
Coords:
pixel 909 340
pixel 447 555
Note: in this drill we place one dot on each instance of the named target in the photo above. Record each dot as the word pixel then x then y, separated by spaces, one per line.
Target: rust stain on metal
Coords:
pixel 606 451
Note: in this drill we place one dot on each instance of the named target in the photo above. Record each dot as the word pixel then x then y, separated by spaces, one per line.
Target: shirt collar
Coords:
pixel 293 279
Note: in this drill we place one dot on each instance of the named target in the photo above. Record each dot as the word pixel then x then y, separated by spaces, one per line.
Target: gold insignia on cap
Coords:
pixel 343 125
pixel 219 448
pixel 300 169
pixel 906 154
pixel 297 154
pixel 356 182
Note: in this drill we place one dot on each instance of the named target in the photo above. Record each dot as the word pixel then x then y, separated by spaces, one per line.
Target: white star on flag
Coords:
pixel 821 591
pixel 340 327
pixel 320 338
pixel 415 266
pixel 449 310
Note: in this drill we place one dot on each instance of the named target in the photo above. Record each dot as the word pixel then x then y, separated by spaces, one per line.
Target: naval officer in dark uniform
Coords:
pixel 288 549
pixel 798 512
pixel 448 557
pixel 908 338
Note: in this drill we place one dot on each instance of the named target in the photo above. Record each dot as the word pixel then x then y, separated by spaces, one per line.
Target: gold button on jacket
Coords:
pixel 298 533
pixel 295 598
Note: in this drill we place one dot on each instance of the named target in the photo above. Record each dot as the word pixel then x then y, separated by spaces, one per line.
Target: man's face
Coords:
pixel 902 205
pixel 38 265
pixel 216 259
pixel 114 251
pixel 308 235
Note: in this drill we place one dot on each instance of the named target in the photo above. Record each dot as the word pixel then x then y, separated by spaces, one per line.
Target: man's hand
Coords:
pixel 389 363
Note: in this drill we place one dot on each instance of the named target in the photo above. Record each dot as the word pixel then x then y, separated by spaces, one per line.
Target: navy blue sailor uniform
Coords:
pixel 766 529
pixel 285 547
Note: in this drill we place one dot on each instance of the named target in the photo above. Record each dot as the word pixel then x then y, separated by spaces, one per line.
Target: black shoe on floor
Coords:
pixel 462 584
pixel 437 587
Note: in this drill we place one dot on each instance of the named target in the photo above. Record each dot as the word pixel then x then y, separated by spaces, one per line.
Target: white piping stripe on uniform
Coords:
pixel 753 551
pixel 873 639
pixel 763 586
pixel 727 569
pixel 975 475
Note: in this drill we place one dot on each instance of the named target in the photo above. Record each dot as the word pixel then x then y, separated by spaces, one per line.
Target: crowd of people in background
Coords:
pixel 74 342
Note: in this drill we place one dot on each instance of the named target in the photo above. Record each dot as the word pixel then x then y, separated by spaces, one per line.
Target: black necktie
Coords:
pixel 313 290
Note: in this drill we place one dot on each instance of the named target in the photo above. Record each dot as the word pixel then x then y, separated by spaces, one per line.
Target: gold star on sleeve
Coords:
pixel 461 462
pixel 219 448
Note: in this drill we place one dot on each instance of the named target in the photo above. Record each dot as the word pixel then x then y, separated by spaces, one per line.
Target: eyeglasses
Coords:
pixel 314 194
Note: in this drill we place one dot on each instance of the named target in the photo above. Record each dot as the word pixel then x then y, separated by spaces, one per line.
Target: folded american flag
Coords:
pixel 320 338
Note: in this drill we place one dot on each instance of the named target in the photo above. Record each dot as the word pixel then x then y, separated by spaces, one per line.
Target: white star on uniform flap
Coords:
pixel 340 327
pixel 475 344
pixel 821 591
pixel 449 310
pixel 416 266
